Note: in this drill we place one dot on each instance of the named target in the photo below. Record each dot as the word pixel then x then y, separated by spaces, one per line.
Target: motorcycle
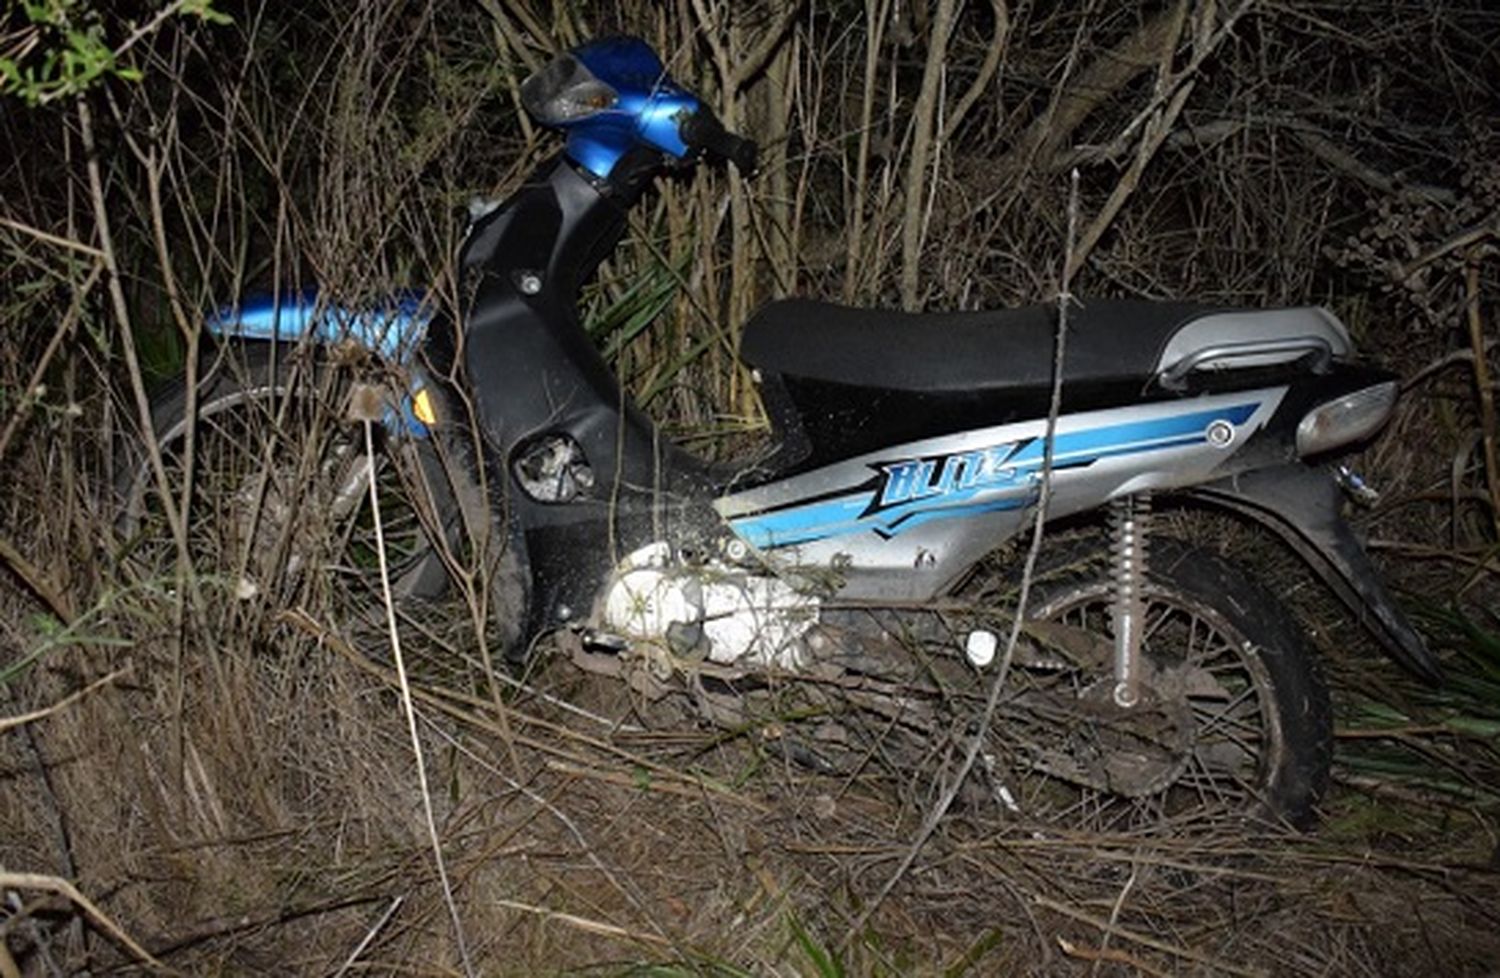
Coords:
pixel 856 562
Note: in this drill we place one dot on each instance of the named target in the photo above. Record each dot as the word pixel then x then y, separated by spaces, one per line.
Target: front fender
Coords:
pixel 392 329
pixel 1301 504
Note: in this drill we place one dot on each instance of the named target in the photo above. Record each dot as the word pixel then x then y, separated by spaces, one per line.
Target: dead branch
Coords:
pixel 1114 955
pixel 10 723
pixel 1464 239
pixel 750 65
pixel 1106 75
pixel 47 237
pixel 65 889
pixel 1155 131
pixel 923 125
pixel 1146 940
pixel 1347 163
pixel 37 582
pixel 992 57
pixel 1487 420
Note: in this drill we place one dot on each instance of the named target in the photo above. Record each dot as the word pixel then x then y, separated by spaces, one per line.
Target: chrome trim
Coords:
pixel 1261 353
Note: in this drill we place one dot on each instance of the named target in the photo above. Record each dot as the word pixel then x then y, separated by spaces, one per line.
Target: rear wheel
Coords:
pixel 1235 714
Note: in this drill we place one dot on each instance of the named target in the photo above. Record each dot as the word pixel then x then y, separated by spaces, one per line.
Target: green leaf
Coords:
pixel 204 10
pixel 823 960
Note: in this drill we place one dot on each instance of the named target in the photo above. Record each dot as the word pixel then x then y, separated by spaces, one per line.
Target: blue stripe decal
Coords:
pixel 915 491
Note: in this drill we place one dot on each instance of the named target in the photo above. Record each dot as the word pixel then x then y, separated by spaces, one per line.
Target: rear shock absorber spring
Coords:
pixel 1130 523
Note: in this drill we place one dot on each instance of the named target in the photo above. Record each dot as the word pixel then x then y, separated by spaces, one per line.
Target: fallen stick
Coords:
pixel 63 888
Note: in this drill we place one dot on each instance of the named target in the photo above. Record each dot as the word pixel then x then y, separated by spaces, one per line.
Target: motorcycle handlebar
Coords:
pixel 704 132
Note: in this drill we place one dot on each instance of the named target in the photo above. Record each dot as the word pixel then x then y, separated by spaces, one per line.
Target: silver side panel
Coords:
pixel 1276 332
pixel 901 524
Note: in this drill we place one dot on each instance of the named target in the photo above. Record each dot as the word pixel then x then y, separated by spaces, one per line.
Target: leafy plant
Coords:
pixel 1443 742
pixel 61 48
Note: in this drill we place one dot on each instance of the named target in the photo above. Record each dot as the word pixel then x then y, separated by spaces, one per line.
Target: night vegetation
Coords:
pixel 202 779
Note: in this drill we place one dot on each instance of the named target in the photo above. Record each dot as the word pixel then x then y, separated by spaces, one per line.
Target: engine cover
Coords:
pixel 735 615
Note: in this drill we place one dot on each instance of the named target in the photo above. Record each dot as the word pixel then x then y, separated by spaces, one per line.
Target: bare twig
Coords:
pixel 1079 96
pixel 750 64
pixel 52 239
pixel 1464 239
pixel 37 582
pixel 924 126
pixel 1114 915
pixel 1044 497
pixel 63 331
pixel 586 924
pixel 1156 129
pixel 370 934
pixel 121 310
pixel 994 53
pixel 1488 423
pixel 1217 965
pixel 406 698
pixel 876 13
pixel 149 27
pixel 66 890
pixel 1105 953
pixel 9 723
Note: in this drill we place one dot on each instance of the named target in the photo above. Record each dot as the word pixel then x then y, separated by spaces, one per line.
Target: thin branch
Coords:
pixel 1489 425
pixel 923 127
pixel 1155 131
pixel 121 310
pixel 1471 236
pixel 1216 965
pixel 148 28
pixel 1078 97
pixel 585 924
pixel 999 43
pixel 37 582
pixel 11 723
pixel 375 929
pixel 750 65
pixel 1028 572
pixel 406 697
pixel 63 331
pixel 65 889
pixel 52 239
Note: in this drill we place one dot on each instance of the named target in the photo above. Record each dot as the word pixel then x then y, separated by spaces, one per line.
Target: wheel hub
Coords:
pixel 1133 752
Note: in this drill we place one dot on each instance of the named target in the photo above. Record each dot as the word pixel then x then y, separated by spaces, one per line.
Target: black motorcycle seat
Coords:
pixel 1109 341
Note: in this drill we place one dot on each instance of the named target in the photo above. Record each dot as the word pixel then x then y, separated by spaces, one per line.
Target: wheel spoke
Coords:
pixel 279 504
pixel 1195 662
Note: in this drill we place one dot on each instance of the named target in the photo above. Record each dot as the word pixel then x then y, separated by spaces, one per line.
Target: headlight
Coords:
pixel 565 91
pixel 1348 419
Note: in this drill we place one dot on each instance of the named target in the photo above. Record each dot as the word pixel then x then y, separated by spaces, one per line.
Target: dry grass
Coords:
pixel 292 828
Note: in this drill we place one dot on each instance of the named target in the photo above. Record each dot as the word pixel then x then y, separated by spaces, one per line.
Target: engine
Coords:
pixel 711 608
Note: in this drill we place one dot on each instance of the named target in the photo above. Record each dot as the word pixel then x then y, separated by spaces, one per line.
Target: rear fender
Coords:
pixel 392 331
pixel 1301 504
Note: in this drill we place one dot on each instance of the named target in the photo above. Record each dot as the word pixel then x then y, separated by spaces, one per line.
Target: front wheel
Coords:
pixel 278 515
pixel 1235 714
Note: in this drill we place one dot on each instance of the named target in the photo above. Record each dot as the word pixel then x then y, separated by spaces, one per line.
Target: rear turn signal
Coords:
pixel 1349 419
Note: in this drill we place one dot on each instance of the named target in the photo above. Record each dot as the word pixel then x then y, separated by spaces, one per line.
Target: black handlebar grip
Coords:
pixel 742 152
pixel 704 132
